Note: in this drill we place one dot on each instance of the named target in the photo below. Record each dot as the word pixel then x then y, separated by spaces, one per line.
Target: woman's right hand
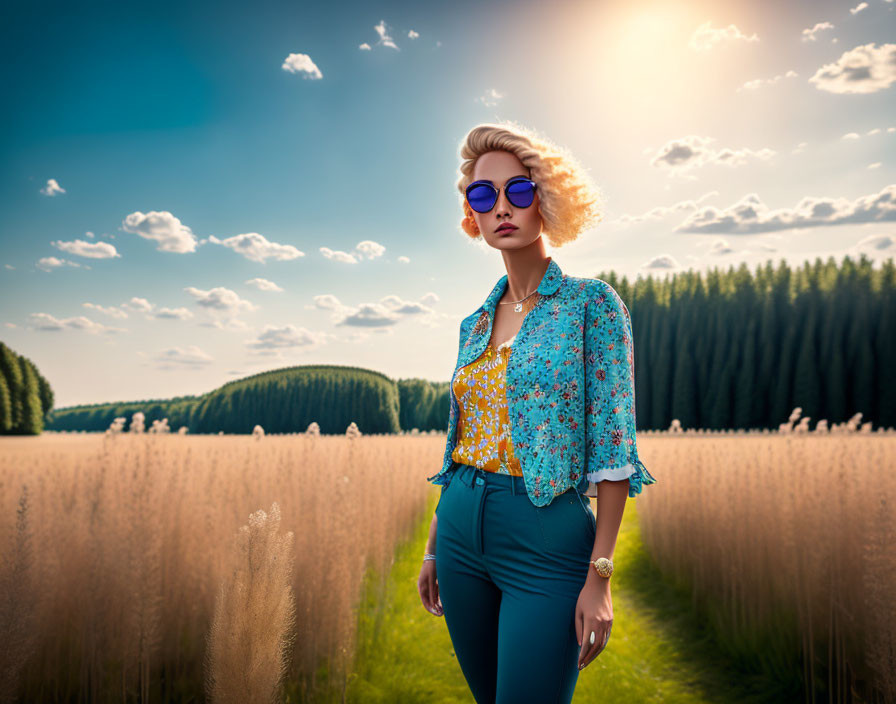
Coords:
pixel 428 587
pixel 427 582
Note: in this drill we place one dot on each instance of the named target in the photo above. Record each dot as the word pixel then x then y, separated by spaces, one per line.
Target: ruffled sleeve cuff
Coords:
pixel 635 472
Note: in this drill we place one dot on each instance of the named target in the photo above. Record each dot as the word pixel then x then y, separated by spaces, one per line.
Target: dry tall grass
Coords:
pixel 252 626
pixel 116 549
pixel 129 570
pixel 788 542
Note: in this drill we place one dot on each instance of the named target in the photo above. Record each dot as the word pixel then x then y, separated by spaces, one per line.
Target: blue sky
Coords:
pixel 194 192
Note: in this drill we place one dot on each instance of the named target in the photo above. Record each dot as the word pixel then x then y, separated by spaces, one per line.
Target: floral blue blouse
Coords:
pixel 569 388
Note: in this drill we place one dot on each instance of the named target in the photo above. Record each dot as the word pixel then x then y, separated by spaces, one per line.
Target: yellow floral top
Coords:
pixel 483 426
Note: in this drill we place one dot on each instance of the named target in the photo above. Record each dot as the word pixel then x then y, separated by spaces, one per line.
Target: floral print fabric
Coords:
pixel 569 387
pixel 483 427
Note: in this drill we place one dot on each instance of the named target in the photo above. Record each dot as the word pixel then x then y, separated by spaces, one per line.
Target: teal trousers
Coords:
pixel 509 576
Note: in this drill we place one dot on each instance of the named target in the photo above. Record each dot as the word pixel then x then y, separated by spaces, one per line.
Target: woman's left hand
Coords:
pixel 594 614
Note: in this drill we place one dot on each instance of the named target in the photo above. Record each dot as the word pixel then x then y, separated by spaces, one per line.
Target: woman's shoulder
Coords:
pixel 585 287
pixel 595 297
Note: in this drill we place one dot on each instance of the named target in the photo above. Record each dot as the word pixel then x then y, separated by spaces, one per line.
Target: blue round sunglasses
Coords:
pixel 482 195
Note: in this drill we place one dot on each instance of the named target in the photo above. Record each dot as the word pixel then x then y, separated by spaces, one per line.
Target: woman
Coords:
pixel 542 411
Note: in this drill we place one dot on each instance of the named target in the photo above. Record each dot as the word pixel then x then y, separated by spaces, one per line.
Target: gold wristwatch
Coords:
pixel 603 566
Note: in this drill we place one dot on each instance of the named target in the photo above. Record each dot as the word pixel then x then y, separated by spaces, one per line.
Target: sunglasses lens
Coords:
pixel 481 198
pixel 521 193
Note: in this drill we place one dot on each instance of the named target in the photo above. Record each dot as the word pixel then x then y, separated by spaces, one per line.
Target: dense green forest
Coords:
pixel 25 396
pixel 280 401
pixel 738 350
pixel 715 350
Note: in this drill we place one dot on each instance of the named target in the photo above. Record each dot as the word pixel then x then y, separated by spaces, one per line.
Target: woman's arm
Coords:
pixel 611 450
pixel 427 582
pixel 431 540
pixel 611 498
pixel 594 609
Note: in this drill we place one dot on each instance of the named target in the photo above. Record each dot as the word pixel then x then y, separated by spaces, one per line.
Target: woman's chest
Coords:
pixel 547 350
pixel 549 343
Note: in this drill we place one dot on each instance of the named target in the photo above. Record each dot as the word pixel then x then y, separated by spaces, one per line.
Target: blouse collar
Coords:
pixel 550 282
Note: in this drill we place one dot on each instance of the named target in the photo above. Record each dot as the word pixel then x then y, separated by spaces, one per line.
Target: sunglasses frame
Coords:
pixel 497 192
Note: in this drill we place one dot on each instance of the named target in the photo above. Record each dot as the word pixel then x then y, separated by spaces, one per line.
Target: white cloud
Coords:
pixel 338 255
pixel 52 188
pixel 759 82
pixel 365 248
pixel 169 233
pixel 220 299
pixel 386 312
pixel 403 307
pixel 264 285
pixel 750 215
pixel 226 324
pixel 370 249
pixel 870 133
pixel 661 211
pixel 180 357
pixel 706 37
pixel 273 337
pixel 50 323
pixel 811 35
pixel 91 250
pixel 877 242
pixel 140 305
pixel 111 311
pixel 720 247
pixel 174 313
pixel 864 69
pixel 692 152
pixel 302 64
pixel 257 248
pixel 491 97
pixel 662 261
pixel 50 263
pixel 370 315
pixel 385 39
pixel 327 301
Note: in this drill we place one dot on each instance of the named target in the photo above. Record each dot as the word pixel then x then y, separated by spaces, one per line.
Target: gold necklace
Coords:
pixel 518 305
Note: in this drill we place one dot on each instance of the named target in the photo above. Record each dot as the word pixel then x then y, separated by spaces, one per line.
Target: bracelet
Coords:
pixel 428 556
pixel 603 566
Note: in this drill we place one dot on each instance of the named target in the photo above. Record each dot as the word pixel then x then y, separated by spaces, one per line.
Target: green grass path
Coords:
pixel 658 651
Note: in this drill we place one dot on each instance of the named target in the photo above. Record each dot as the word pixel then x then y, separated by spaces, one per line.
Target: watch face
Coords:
pixel 603 566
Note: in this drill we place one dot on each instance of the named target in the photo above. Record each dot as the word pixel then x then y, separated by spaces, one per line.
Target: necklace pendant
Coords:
pixel 518 307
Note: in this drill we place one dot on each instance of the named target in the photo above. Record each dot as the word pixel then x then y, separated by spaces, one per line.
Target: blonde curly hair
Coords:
pixel 568 200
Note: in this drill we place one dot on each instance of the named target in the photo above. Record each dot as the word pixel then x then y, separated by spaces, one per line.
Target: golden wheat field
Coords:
pixel 116 548
pixel 790 538
pixel 142 564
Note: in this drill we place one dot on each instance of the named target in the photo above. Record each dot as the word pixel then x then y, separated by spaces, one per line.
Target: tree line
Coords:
pixel 741 350
pixel 718 350
pixel 25 395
